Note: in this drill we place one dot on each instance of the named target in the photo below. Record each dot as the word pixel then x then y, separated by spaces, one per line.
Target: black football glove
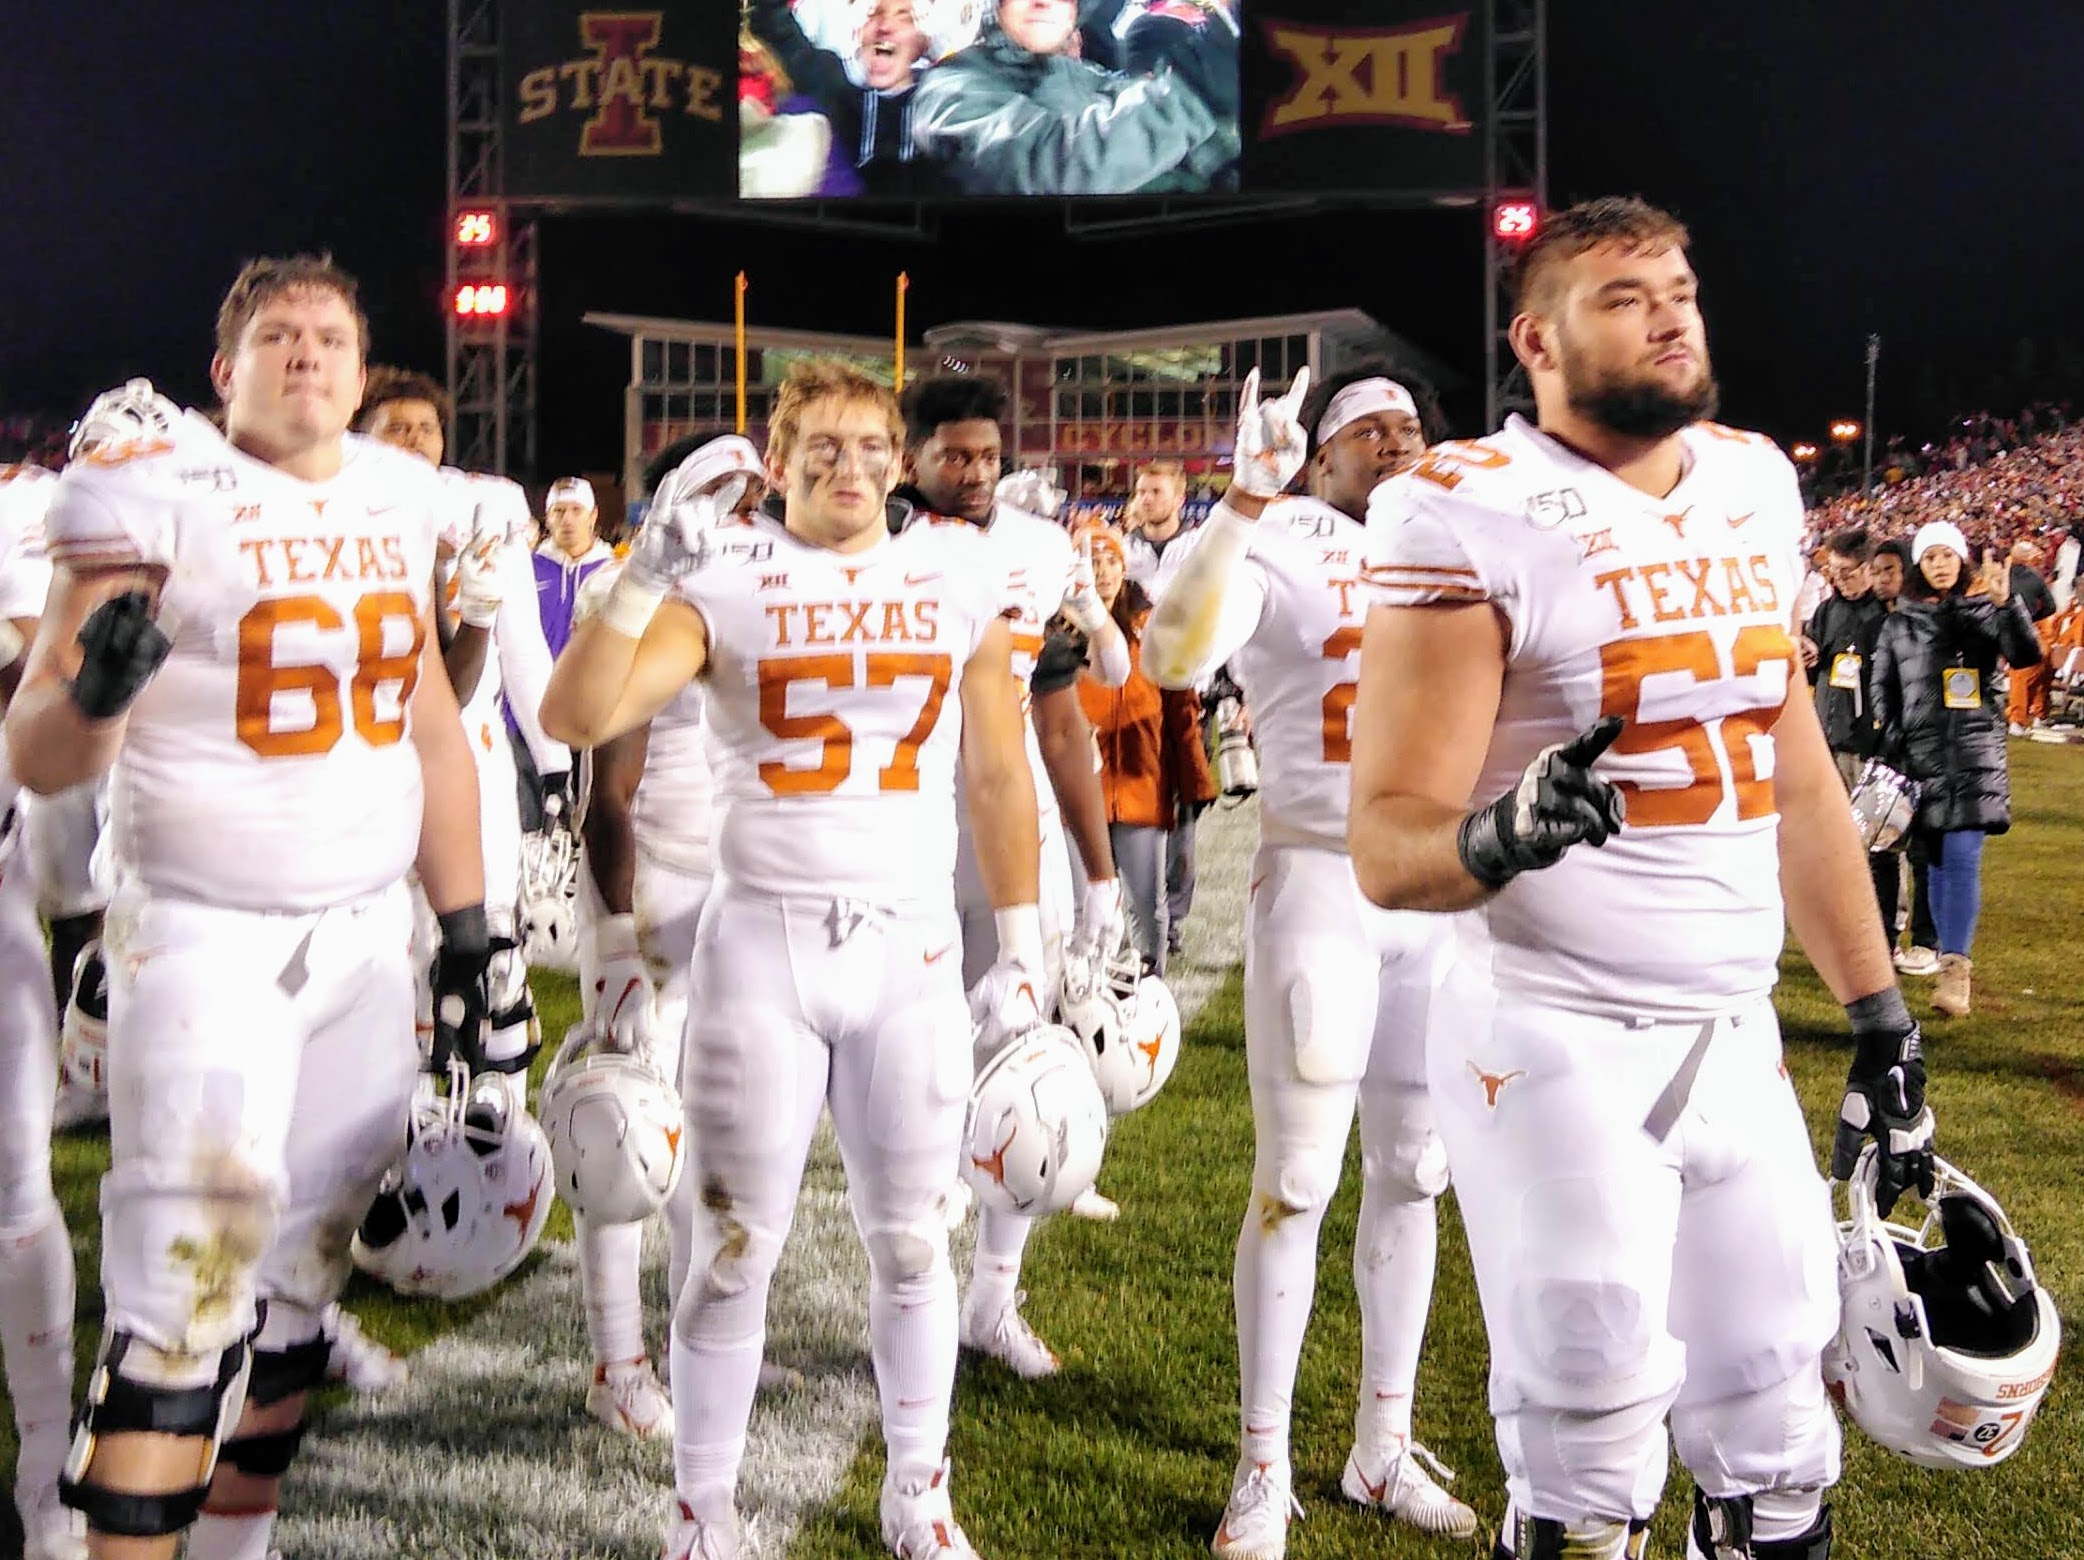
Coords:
pixel 557 798
pixel 461 992
pixel 1885 1100
pixel 120 648
pixel 1558 803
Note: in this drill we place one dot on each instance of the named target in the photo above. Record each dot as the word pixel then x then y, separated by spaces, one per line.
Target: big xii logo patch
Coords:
pixel 622 86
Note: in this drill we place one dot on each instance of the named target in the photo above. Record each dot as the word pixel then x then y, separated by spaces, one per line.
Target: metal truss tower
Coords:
pixel 492 361
pixel 1516 166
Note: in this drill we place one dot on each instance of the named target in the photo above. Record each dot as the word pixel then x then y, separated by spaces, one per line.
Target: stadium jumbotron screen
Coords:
pixel 700 102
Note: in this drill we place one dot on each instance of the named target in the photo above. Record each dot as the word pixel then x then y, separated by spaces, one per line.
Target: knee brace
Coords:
pixel 138 1389
pixel 516 1033
pixel 1723 1529
pixel 1543 1538
pixel 907 1254
pixel 289 1357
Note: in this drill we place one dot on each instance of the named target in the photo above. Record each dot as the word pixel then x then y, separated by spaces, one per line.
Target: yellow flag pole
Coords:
pixel 742 285
pixel 904 285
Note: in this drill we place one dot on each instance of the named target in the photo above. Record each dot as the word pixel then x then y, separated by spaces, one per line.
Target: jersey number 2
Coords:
pixel 262 677
pixel 881 669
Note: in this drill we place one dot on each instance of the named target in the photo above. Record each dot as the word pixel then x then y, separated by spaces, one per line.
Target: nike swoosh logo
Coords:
pixel 935 958
pixel 920 579
pixel 1736 521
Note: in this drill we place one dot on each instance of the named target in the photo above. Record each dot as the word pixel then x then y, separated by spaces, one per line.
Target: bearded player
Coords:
pixel 1336 991
pixel 843 671
pixel 239 631
pixel 1575 724
pixel 953 450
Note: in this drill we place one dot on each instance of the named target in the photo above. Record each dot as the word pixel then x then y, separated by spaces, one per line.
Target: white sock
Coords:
pixel 1395 1250
pixel 36 1300
pixel 912 1339
pixel 713 1389
pixel 995 1269
pixel 1273 1283
pixel 244 1537
pixel 608 1258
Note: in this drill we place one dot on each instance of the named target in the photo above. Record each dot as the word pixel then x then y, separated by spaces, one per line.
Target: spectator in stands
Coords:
pixel 2028 700
pixel 1156 544
pixel 1020 113
pixel 1837 644
pixel 570 552
pixel 1932 684
pixel 1153 766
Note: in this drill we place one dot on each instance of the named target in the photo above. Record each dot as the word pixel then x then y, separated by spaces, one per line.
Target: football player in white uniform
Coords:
pixel 828 650
pixel 953 447
pixel 493 646
pixel 36 1273
pixel 1336 991
pixel 646 826
pixel 240 624
pixel 1574 724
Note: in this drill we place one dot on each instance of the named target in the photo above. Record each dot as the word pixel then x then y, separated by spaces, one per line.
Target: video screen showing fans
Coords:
pixel 943 99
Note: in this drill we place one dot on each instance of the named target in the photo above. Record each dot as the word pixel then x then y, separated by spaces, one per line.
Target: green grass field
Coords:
pixel 1128 1452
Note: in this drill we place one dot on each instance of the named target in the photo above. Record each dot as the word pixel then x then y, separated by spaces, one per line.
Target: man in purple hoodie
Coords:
pixel 570 552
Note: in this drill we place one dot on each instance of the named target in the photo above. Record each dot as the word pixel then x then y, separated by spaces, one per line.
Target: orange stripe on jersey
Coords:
pixel 1027 644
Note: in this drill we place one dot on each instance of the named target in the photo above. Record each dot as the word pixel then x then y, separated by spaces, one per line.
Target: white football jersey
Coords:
pixel 831 693
pixel 1672 613
pixel 1293 611
pixel 268 765
pixel 25 569
pixel 1039 561
pixel 673 813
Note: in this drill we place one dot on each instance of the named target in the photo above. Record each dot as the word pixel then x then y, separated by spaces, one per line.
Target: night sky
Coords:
pixel 1915 169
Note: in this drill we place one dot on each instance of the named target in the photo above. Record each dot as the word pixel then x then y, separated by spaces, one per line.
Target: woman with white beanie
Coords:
pixel 1942 721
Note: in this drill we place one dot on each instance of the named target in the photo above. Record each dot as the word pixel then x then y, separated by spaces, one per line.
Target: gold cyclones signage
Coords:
pixel 620 105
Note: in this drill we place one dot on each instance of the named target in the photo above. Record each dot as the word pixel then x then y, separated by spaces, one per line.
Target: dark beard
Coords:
pixel 1642 410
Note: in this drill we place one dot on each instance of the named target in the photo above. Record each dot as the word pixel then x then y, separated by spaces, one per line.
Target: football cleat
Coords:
pixel 1129 1026
pixel 1255 1520
pixel 1036 1125
pixel 615 1126
pixel 919 1521
pixel 1400 1480
pixel 467 1203
pixel 1946 1343
pixel 629 1399
pixel 692 1539
pixel 1007 1338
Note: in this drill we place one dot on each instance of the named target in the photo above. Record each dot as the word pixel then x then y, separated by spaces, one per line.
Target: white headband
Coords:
pixel 1363 398
pixel 571 490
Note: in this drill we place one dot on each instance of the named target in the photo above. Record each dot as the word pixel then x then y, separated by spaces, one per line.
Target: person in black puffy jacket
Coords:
pixel 1942 722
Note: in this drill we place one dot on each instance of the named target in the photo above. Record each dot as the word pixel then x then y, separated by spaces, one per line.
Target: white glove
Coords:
pixel 1006 1003
pixel 1271 444
pixel 1102 924
pixel 699 492
pixel 121 416
pixel 1082 603
pixel 1033 492
pixel 623 1001
pixel 479 590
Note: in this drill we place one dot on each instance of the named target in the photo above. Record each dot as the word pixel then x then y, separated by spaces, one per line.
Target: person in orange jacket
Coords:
pixel 1151 754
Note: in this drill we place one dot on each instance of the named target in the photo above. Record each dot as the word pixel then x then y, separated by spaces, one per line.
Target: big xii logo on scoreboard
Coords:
pixel 1339 95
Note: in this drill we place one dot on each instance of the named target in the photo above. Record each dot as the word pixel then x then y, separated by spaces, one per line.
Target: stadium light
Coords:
pixel 1515 221
pixel 481 300
pixel 1804 452
pixel 476 229
pixel 1844 431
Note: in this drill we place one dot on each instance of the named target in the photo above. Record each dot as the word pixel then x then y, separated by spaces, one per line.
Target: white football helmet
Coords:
pixel 550 901
pixel 615 1127
pixel 1037 1125
pixel 1945 1348
pixel 1884 805
pixel 83 1045
pixel 1128 1023
pixel 126 415
pixel 468 1201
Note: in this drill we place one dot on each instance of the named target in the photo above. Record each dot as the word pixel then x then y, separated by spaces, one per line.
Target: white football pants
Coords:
pixel 260 1070
pixel 1627 1276
pixel 808 1004
pixel 1337 994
